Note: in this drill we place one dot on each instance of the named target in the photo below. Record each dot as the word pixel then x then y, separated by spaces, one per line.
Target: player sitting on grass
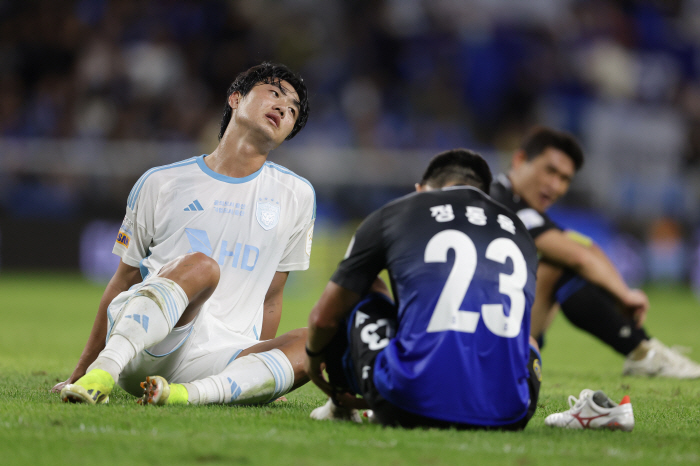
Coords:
pixel 454 350
pixel 206 247
pixel 573 271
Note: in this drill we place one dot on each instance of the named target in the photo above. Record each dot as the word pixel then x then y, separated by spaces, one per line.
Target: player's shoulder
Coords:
pixel 301 187
pixel 288 177
pixel 502 191
pixel 158 175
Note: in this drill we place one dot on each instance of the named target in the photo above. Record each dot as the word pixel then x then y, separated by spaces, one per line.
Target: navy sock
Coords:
pixel 595 310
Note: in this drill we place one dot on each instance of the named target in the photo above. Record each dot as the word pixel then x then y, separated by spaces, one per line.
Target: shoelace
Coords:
pixel 682 350
pixel 575 403
pixel 675 354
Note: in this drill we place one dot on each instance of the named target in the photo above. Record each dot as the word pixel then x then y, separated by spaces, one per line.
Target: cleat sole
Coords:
pixel 155 391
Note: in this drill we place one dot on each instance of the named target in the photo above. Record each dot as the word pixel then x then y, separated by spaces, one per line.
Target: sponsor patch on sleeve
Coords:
pixel 531 218
pixel 123 239
pixel 127 225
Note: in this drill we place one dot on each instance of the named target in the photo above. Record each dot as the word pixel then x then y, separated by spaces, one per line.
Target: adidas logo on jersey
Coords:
pixel 194 206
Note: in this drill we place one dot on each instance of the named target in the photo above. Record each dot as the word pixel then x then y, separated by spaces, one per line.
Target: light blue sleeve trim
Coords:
pixel 136 190
pixel 255 332
pixel 289 172
pixel 224 178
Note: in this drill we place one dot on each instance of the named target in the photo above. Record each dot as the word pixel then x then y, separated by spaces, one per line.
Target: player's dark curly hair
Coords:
pixel 540 138
pixel 458 167
pixel 268 73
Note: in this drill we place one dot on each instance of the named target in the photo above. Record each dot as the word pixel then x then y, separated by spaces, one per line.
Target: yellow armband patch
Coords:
pixel 123 239
pixel 579 238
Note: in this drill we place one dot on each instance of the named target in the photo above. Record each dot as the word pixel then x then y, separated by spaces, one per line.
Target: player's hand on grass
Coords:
pixel 59 386
pixel 636 306
pixel 350 401
pixel 77 373
pixel 314 369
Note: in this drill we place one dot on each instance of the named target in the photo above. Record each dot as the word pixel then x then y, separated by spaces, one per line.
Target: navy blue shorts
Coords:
pixel 351 354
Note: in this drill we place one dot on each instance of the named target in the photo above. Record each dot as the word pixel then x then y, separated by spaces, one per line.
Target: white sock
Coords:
pixel 147 318
pixel 256 378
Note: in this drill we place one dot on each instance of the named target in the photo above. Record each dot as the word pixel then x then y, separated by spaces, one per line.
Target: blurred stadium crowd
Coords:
pixel 389 75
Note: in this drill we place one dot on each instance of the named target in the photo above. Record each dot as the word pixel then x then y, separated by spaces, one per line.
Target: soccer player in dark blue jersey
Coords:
pixel 453 349
pixel 574 274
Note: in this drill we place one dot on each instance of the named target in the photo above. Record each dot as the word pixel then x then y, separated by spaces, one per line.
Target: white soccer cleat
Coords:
pixel 594 410
pixel 330 411
pixel 662 361
pixel 369 414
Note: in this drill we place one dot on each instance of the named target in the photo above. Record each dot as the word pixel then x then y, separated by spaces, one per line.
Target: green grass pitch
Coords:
pixel 46 319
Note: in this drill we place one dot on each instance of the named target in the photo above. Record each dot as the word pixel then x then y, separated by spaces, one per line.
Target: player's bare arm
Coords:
pixel 545 307
pixel 125 277
pixel 557 247
pixel 637 303
pixel 334 304
pixel 272 307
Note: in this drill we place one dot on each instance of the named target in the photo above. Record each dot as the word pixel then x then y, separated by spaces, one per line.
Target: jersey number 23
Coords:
pixel 447 315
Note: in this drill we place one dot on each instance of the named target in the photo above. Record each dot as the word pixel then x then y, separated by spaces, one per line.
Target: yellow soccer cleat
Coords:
pixel 92 388
pixel 157 391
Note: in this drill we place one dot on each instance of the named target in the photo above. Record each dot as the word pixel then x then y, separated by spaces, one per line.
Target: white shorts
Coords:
pixel 192 352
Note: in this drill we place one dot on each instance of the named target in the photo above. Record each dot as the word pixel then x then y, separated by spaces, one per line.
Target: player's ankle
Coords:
pixel 108 365
pixel 640 351
pixel 179 394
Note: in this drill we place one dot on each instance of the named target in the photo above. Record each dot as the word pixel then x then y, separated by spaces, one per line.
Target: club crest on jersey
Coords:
pixel 268 213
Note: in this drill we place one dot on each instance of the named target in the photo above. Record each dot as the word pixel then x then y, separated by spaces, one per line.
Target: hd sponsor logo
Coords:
pixel 123 239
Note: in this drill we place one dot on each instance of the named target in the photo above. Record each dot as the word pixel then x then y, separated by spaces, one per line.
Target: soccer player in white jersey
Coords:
pixel 206 247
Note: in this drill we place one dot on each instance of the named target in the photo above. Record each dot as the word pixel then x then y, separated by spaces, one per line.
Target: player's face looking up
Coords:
pixel 543 179
pixel 271 108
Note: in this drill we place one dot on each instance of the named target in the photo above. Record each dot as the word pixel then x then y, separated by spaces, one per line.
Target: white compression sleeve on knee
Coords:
pixel 252 379
pixel 146 319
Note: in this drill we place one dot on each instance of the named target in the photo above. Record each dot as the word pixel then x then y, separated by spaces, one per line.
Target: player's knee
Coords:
pixel 204 266
pixel 548 274
pixel 298 333
pixel 196 268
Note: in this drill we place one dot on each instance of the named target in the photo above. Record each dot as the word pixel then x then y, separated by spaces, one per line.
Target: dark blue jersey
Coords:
pixel 463 271
pixel 535 222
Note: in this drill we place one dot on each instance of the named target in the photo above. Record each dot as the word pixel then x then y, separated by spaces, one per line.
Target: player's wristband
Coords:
pixel 313 354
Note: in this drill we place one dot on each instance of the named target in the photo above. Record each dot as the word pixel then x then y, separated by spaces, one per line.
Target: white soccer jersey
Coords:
pixel 252 226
